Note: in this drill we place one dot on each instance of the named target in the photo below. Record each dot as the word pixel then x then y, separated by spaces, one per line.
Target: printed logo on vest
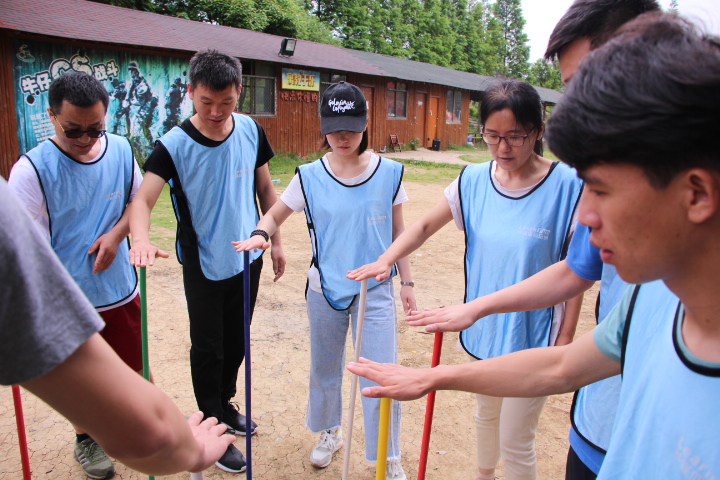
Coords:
pixel 242 172
pixel 379 220
pixel 535 232
pixel 117 195
pixel 692 465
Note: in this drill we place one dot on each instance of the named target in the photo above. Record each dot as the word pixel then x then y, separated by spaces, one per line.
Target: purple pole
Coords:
pixel 247 318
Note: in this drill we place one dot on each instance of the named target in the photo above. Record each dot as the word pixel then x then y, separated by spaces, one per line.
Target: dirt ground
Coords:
pixel 280 360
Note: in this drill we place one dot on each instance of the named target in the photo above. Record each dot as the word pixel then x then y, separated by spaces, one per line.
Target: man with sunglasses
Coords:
pixel 76 186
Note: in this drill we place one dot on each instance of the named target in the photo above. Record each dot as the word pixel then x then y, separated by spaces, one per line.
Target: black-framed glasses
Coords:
pixel 77 133
pixel 512 140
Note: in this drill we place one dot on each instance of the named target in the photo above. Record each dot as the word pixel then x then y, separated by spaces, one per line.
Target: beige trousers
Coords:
pixel 506 426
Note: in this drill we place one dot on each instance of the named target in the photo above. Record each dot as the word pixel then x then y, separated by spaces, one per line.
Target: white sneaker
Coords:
pixel 394 470
pixel 330 442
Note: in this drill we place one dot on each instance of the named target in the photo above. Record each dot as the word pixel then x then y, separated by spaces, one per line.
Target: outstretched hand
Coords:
pixel 211 438
pixel 380 270
pixel 252 243
pixel 143 254
pixel 396 381
pixel 455 318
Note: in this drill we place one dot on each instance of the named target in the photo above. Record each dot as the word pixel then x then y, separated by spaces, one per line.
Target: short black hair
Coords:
pixel 650 98
pixel 521 98
pixel 361 149
pixel 79 89
pixel 596 20
pixel 214 70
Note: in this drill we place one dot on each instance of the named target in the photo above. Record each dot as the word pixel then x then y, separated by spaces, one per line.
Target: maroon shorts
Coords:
pixel 123 332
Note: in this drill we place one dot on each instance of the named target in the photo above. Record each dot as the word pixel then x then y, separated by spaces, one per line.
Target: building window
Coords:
pixel 397 100
pixel 454 106
pixel 327 79
pixel 257 96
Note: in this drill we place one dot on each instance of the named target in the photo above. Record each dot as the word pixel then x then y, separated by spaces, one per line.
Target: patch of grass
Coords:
pixel 478 157
pixel 462 148
pixel 283 165
pixel 163 224
pixel 420 171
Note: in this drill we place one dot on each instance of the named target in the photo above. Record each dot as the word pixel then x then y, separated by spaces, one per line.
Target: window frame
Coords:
pixel 393 93
pixel 248 90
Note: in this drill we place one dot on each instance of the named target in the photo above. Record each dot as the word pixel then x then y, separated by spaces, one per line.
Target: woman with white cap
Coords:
pixel 352 199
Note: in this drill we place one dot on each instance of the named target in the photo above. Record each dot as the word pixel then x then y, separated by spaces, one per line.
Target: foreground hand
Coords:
pixel 252 243
pixel 143 254
pixel 455 318
pixel 211 438
pixel 106 247
pixel 278 260
pixel 380 270
pixel 397 382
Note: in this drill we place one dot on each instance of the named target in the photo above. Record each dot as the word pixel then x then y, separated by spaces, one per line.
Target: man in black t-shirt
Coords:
pixel 216 162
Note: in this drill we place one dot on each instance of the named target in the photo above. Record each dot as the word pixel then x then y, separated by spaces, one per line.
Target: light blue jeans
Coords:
pixel 328 331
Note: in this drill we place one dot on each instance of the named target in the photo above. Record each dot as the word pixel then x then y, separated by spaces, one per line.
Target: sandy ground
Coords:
pixel 280 359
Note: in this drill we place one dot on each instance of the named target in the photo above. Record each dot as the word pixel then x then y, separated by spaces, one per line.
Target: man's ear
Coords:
pixel 703 199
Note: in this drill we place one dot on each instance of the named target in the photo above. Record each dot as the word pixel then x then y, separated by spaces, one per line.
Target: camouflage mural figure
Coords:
pixel 118 96
pixel 173 101
pixel 142 106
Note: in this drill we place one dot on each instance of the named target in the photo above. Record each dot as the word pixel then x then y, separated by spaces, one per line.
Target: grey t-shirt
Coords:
pixel 44 317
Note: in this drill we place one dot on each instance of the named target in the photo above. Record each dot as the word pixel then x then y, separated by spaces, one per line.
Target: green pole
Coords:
pixel 143 318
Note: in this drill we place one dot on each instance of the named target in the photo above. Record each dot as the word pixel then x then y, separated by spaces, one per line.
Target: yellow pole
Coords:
pixel 383 434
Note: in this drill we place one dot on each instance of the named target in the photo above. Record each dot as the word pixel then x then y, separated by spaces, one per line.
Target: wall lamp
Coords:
pixel 287 47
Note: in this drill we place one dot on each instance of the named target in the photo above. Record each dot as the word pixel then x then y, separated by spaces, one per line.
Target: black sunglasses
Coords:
pixel 77 133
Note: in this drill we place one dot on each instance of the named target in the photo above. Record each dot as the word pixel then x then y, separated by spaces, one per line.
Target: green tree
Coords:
pixel 516 52
pixel 673 6
pixel 545 74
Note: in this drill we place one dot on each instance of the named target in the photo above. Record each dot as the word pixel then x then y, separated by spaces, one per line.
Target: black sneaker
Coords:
pixel 232 461
pixel 235 421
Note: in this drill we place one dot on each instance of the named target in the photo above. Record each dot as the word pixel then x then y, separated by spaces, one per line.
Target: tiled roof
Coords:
pixel 97 22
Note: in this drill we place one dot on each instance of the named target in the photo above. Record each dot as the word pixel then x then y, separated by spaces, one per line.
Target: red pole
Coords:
pixel 22 439
pixel 429 409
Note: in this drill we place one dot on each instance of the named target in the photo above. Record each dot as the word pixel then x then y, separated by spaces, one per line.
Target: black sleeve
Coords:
pixel 161 163
pixel 265 151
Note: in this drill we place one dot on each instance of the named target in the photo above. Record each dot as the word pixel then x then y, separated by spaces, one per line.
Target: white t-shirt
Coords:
pixel 25 184
pixel 293 197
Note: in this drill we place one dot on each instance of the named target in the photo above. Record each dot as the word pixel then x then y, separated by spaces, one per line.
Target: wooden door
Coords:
pixel 368 92
pixel 432 121
pixel 420 116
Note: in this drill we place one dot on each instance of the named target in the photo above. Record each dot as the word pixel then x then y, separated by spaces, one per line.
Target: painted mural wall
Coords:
pixel 148 93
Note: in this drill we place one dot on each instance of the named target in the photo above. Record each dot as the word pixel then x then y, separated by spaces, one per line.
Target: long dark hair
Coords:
pixel 522 99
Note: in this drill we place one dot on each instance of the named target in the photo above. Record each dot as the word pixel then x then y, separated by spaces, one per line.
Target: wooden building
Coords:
pixel 142 58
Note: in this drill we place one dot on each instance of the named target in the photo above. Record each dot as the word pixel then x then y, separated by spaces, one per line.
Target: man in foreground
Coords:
pixel 637 122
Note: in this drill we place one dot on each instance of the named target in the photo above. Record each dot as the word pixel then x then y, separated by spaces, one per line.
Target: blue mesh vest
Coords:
pixel 350 225
pixel 219 186
pixel 667 424
pixel 85 201
pixel 508 240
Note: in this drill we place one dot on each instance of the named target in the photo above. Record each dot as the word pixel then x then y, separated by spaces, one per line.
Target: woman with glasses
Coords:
pixel 518 214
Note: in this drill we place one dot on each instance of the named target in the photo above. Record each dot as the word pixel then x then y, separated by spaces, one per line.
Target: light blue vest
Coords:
pixel 668 420
pixel 350 225
pixel 219 187
pixel 594 406
pixel 85 201
pixel 508 240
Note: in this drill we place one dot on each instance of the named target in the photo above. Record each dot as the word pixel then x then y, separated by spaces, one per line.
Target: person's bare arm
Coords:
pixel 569 324
pixel 407 294
pixel 270 222
pixel 106 246
pixel 551 286
pixel 143 253
pixel 409 241
pixel 267 198
pixel 131 418
pixel 529 373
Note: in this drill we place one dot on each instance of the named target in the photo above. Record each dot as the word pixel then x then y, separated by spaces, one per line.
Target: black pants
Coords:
pixel 575 469
pixel 217 334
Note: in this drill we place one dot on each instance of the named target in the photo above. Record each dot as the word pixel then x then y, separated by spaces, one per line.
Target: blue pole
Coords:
pixel 247 318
